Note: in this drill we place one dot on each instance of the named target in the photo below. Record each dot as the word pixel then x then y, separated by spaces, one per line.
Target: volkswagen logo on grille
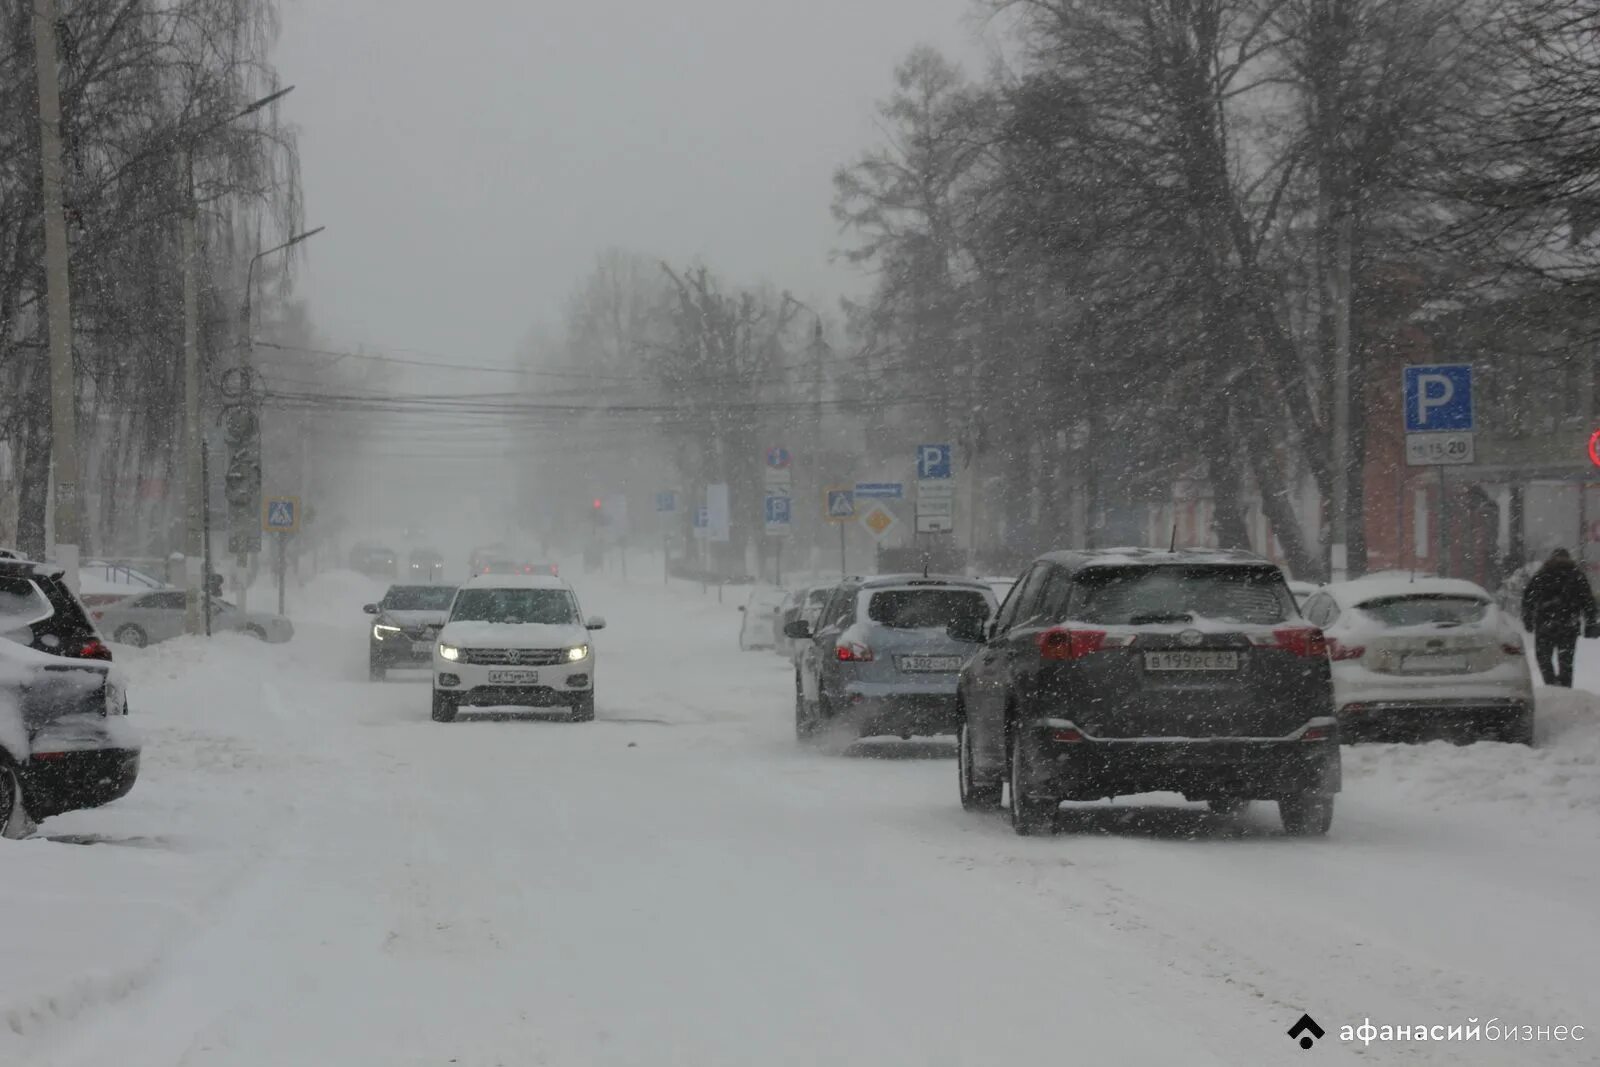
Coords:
pixel 1189 638
pixel 513 656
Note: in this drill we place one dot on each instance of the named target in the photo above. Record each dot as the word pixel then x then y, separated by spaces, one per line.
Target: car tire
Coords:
pixel 1306 815
pixel 444 707
pixel 583 708
pixel 131 635
pixel 255 631
pixel 1030 814
pixel 805 724
pixel 14 821
pixel 376 671
pixel 975 795
pixel 1228 806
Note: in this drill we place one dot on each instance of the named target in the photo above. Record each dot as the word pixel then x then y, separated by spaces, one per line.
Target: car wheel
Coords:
pixel 376 671
pixel 444 707
pixel 1229 806
pixel 1030 814
pixel 805 724
pixel 583 708
pixel 256 632
pixel 14 821
pixel 975 795
pixel 131 635
pixel 1306 815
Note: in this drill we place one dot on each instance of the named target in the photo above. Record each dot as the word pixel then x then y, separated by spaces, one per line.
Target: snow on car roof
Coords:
pixel 1122 557
pixel 881 580
pixel 1381 586
pixel 515 581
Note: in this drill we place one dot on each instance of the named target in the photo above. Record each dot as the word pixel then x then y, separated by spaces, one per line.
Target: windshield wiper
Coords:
pixel 1150 617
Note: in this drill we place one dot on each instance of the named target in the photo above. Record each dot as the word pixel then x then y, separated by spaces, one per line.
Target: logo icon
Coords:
pixel 1308 1026
pixel 1190 638
pixel 514 656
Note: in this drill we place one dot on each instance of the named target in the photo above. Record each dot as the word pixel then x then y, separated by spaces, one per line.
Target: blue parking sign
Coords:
pixel 1438 398
pixel 933 462
pixel 667 501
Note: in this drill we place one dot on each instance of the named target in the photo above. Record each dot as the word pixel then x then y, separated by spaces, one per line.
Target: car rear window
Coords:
pixel 1424 608
pixel 918 609
pixel 21 605
pixel 1132 596
pixel 554 607
pixel 418 597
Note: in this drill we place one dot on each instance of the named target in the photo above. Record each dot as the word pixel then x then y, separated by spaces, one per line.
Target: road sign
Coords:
pixel 1439 449
pixel 702 521
pixel 933 462
pixel 880 490
pixel 778 510
pixel 1594 448
pixel 936 490
pixel 878 520
pixel 1438 398
pixel 280 514
pixel 666 501
pixel 934 523
pixel 838 504
pixel 778 458
pixel 943 506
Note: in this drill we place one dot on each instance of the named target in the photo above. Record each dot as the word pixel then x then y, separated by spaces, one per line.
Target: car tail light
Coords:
pixel 1512 648
pixel 1316 733
pixel 852 652
pixel 555 571
pixel 93 648
pixel 1064 644
pixel 1307 642
pixel 527 568
pixel 97 615
pixel 1340 651
pixel 1067 735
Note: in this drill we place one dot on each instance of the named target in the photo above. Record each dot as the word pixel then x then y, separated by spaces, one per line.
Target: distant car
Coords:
pixel 512 565
pixel 160 616
pixel 1423 658
pixel 426 565
pixel 409 618
pixel 484 553
pixel 881 658
pixel 68 746
pixel 758 612
pixel 375 561
pixel 1136 671
pixel 803 603
pixel 515 641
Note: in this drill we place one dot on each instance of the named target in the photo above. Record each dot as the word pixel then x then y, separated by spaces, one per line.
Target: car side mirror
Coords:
pixel 595 622
pixel 799 629
pixel 968 629
pixel 370 609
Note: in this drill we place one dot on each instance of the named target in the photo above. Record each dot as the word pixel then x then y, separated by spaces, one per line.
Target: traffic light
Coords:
pixel 242 481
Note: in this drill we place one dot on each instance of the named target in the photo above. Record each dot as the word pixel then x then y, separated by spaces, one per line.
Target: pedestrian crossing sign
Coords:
pixel 280 514
pixel 839 504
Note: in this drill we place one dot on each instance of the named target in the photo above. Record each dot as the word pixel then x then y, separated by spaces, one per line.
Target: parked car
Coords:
pixel 1302 592
pixel 756 618
pixel 375 561
pixel 515 641
pixel 161 615
pixel 64 742
pixel 1423 658
pixel 426 565
pixel 409 618
pixel 881 657
pixel 803 603
pixel 1133 671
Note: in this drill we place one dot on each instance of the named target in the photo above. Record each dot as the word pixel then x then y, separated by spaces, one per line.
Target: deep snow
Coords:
pixel 312 872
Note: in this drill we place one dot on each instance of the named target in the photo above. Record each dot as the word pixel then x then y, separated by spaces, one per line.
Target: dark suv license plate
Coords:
pixel 1191 660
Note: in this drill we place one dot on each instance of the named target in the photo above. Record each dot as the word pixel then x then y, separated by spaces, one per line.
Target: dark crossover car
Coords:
pixel 881 657
pixel 426 565
pixel 375 561
pixel 409 617
pixel 68 745
pixel 1134 671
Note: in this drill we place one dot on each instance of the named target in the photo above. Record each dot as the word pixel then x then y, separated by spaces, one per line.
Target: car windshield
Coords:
pixel 418 598
pixel 1426 608
pixel 926 608
pixel 1131 596
pixel 554 607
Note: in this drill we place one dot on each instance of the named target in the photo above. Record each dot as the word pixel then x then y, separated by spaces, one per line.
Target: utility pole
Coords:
pixel 58 296
pixel 194 475
pixel 817 348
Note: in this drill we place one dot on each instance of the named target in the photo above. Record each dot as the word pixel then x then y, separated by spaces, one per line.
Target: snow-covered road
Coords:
pixel 312 872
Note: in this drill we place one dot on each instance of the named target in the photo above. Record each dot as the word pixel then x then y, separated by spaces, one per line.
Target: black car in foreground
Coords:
pixel 64 741
pixel 1134 671
pixel 409 617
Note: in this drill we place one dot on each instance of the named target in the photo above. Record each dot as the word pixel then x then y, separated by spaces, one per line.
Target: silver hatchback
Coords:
pixel 880 657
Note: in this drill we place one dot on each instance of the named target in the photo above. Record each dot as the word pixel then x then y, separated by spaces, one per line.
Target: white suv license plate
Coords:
pixel 930 663
pixel 1178 660
pixel 513 677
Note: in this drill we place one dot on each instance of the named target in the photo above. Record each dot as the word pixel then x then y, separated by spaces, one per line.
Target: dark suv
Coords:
pixel 1134 671
pixel 72 747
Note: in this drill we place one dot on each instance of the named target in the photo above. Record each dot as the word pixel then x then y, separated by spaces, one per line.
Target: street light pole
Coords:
pixel 58 297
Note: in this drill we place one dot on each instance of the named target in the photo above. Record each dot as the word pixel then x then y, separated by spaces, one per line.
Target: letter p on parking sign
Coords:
pixel 1438 398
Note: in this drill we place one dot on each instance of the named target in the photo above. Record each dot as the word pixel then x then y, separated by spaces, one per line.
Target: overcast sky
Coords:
pixel 469 158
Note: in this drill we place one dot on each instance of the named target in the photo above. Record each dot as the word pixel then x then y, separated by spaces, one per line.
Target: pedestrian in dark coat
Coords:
pixel 1558 607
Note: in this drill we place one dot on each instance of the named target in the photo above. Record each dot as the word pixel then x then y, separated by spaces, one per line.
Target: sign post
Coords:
pixel 666 504
pixel 936 489
pixel 1440 428
pixel 838 507
pixel 280 516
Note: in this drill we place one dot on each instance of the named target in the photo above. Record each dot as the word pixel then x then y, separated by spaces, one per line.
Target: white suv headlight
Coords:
pixel 449 652
pixel 577 652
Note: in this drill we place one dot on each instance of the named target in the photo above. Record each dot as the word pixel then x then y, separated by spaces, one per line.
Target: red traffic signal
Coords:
pixel 1594 448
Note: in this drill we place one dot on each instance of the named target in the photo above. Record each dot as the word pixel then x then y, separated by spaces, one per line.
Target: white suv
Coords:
pixel 516 640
